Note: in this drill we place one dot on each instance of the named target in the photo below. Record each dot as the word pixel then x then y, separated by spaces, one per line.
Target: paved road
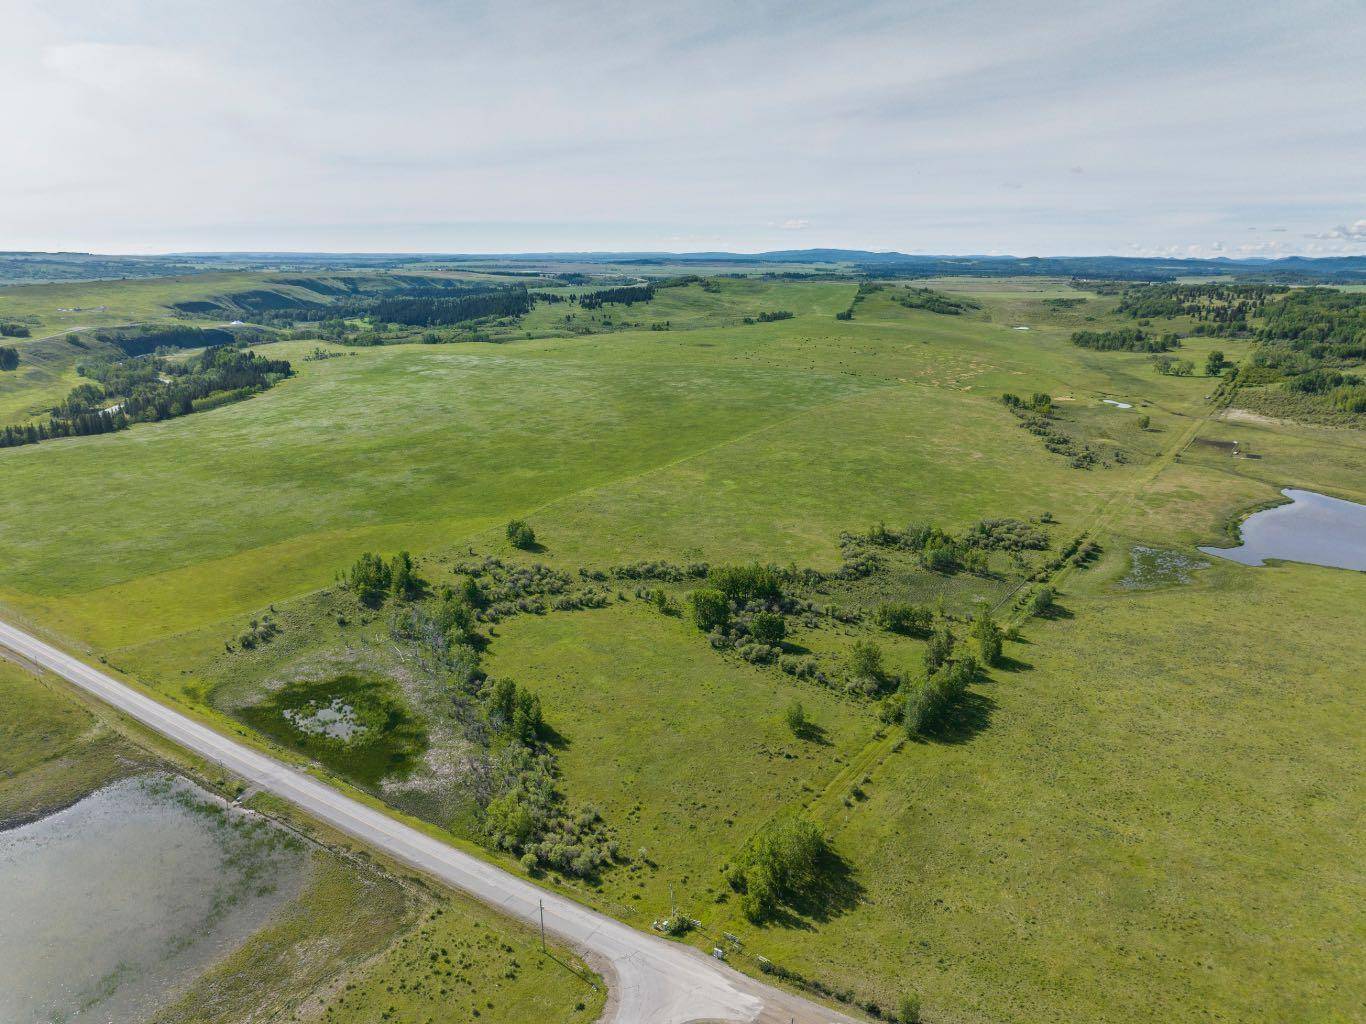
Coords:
pixel 652 981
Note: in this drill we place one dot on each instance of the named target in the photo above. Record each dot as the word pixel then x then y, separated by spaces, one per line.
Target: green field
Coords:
pixel 1150 811
pixel 337 949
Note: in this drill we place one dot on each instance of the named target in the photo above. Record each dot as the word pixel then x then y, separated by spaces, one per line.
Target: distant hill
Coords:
pixel 28 267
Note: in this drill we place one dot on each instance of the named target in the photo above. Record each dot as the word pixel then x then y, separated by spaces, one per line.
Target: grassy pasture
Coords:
pixel 1150 816
pixel 1146 829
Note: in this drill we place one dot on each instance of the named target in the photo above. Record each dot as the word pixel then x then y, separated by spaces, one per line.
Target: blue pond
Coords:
pixel 1312 528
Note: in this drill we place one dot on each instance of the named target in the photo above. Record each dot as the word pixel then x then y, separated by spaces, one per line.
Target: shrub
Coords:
pixel 9 358
pixel 710 609
pixel 370 578
pixel 988 638
pixel 405 581
pixel 939 558
pixel 1041 601
pixel 758 901
pixel 865 660
pixel 768 628
pixel 903 618
pixel 521 535
pixel 939 649
pixel 795 716
pixel 781 861
pixel 741 583
pixel 908 1009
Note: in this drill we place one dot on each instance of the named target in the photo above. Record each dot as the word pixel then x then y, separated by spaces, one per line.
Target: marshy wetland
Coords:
pixel 112 906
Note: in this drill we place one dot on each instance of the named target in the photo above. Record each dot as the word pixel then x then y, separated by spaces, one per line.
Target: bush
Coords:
pixel 9 358
pixel 938 650
pixel 939 558
pixel 795 717
pixel 768 628
pixel 988 638
pixel 371 579
pixel 521 535
pixel 1041 601
pixel 406 583
pixel 908 1009
pixel 781 861
pixel 903 618
pixel 710 609
pixel 742 583
pixel 865 660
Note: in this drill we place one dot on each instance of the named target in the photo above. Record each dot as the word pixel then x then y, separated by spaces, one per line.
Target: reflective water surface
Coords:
pixel 110 907
pixel 1313 528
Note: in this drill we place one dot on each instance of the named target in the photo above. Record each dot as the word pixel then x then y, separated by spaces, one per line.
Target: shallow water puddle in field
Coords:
pixel 110 907
pixel 336 720
pixel 1117 405
pixel 1158 567
pixel 1312 528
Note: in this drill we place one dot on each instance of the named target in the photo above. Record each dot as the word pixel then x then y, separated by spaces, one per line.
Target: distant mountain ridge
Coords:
pixel 21 267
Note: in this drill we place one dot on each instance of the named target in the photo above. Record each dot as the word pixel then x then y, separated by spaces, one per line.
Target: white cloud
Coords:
pixel 620 124
pixel 1354 232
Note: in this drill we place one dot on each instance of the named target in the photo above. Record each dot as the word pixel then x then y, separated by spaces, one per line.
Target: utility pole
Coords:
pixel 541 905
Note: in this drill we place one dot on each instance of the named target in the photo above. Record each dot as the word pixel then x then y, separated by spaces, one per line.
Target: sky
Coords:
pixel 1221 128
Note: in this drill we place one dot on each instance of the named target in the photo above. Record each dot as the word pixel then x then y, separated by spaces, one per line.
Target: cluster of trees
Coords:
pixel 10 329
pixel 732 587
pixel 936 302
pixel 516 711
pixel 1036 416
pixel 627 296
pixel 435 311
pixel 1039 403
pixel 926 706
pixel 1218 308
pixel 770 317
pixel 1007 535
pixel 901 617
pixel 939 550
pixel 80 425
pixel 1172 367
pixel 1308 337
pixel 782 862
pixel 1125 339
pixel 141 341
pixel 9 357
pixel 148 389
pixel 520 535
pixel 372 579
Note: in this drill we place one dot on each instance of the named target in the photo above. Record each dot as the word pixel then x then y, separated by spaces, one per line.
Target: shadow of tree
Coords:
pixel 553 738
pixel 812 733
pixel 970 715
pixel 833 892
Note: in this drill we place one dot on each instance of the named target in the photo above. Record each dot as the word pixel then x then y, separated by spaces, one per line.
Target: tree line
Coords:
pixel 436 312
pixel 1125 339
pixel 148 388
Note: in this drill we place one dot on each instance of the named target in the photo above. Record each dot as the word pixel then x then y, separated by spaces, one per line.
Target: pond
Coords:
pixel 1116 404
pixel 1312 528
pixel 109 908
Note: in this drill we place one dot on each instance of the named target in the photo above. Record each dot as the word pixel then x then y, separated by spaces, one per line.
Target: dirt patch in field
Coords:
pixel 1248 416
